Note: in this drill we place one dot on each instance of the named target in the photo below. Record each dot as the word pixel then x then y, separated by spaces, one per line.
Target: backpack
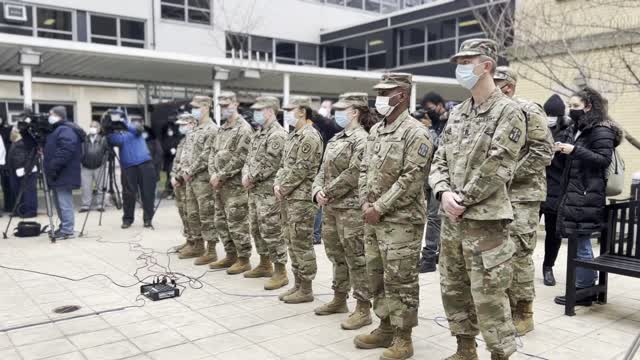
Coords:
pixel 615 175
pixel 29 229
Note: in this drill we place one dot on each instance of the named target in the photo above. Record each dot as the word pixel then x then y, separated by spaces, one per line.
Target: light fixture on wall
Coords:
pixel 30 58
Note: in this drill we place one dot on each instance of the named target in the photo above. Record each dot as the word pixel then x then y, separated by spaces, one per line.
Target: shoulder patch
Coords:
pixel 515 134
pixel 275 145
pixel 306 148
pixel 247 140
pixel 424 150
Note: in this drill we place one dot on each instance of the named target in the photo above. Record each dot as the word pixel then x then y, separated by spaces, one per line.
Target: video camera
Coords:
pixel 34 126
pixel 114 120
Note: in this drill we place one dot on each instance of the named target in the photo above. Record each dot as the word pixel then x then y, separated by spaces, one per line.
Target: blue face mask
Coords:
pixel 290 118
pixel 184 129
pixel 342 119
pixel 197 113
pixel 466 77
pixel 258 117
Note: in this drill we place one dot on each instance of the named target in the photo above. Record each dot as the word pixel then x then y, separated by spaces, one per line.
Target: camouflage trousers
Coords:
pixel 343 235
pixel 523 234
pixel 475 273
pixel 266 227
pixel 200 209
pixel 392 254
pixel 180 193
pixel 232 216
pixel 297 228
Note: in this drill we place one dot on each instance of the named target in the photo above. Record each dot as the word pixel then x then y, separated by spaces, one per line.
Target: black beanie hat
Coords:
pixel 554 106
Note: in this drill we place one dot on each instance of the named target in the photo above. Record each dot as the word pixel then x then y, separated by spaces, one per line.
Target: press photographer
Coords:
pixel 62 154
pixel 138 172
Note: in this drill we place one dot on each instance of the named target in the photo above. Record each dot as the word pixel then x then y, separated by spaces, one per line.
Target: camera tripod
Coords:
pixel 35 158
pixel 105 184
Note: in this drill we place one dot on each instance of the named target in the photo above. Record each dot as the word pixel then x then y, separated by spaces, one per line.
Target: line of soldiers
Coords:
pixel 234 185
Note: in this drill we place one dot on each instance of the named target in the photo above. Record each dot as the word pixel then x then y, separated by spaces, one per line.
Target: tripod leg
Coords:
pixel 47 197
pixel 99 185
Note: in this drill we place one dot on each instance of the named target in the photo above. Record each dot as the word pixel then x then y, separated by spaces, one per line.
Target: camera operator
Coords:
pixel 17 160
pixel 62 155
pixel 93 151
pixel 138 172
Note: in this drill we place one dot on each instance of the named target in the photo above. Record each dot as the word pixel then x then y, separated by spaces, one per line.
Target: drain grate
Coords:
pixel 66 309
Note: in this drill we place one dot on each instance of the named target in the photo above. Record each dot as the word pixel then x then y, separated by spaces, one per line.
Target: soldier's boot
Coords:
pixel 337 305
pixel 241 265
pixel 401 347
pixel 381 337
pixel 499 357
pixel 187 246
pixel 278 279
pixel 195 251
pixel 523 317
pixel 228 260
pixel 291 291
pixel 210 256
pixel 466 349
pixel 303 295
pixel 264 268
pixel 181 246
pixel 360 317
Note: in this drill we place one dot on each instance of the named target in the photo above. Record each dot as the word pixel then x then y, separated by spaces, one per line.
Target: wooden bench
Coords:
pixel 619 253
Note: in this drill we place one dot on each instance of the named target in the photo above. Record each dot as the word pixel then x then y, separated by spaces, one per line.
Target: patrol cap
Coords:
pixel 505 73
pixel 394 80
pixel 298 101
pixel 201 101
pixel 263 102
pixel 357 99
pixel 477 47
pixel 226 98
pixel 185 118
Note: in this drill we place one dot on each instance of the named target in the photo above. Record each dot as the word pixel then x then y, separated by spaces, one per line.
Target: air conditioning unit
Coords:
pixel 15 13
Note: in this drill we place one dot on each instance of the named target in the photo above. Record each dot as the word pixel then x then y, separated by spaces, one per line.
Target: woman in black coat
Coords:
pixel 586 155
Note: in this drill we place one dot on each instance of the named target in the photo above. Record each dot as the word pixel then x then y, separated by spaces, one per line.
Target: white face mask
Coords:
pixel 226 113
pixel 53 119
pixel 553 120
pixel 382 105
pixel 290 118
pixel 465 76
pixel 93 131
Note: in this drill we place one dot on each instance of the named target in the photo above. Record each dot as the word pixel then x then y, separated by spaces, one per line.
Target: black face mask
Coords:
pixel 576 115
pixel 433 115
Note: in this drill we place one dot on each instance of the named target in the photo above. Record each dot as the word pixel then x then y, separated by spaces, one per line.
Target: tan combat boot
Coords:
pixel 360 317
pixel 180 247
pixel 337 305
pixel 264 268
pixel 278 279
pixel 241 265
pixel 193 252
pixel 303 295
pixel 228 260
pixel 466 349
pixel 295 288
pixel 498 357
pixel 381 337
pixel 186 247
pixel 210 256
pixel 401 347
pixel 523 317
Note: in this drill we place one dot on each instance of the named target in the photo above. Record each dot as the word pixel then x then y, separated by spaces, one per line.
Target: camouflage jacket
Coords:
pixel 229 151
pixel 177 162
pixel 396 160
pixel 530 181
pixel 300 163
pixel 340 169
pixel 265 155
pixel 199 152
pixel 479 154
pixel 186 155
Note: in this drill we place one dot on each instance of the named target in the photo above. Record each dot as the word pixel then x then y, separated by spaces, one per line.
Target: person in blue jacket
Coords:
pixel 138 172
pixel 62 152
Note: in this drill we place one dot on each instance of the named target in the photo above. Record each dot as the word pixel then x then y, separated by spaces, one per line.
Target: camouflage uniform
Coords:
pixel 300 161
pixel 262 164
pixel 180 191
pixel 476 160
pixel 228 152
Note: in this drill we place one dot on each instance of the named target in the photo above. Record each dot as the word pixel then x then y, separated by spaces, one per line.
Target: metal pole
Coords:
pixel 147 120
pixel 216 94
pixel 413 98
pixel 286 78
pixel 27 82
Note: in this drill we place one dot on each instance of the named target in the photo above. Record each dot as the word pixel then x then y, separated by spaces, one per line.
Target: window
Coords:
pixel 263 47
pixel 25 28
pixel 414 55
pixel 356 4
pixel 54 24
pixel 334 53
pixel 192 11
pixel 412 36
pixel 362 53
pixel 307 54
pixel 468 25
pixel 442 30
pixel 358 63
pixel 285 52
pixel 441 50
pixel 355 47
pixel 377 62
pixel 115 31
pixel 236 43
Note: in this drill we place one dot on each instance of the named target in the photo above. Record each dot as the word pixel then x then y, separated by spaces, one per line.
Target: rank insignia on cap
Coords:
pixel 424 150
pixel 514 135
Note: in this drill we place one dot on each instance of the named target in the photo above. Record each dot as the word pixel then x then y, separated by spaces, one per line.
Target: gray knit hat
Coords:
pixel 60 111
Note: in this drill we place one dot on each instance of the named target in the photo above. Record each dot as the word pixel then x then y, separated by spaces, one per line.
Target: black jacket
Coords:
pixel 93 152
pixel 581 207
pixel 155 149
pixel 18 156
pixel 561 134
pixel 327 127
pixel 168 143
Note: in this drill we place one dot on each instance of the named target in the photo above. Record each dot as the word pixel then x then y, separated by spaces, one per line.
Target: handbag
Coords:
pixel 29 229
pixel 615 175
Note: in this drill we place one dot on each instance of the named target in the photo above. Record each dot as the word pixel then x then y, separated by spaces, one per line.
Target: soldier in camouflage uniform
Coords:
pixel 528 190
pixel 391 189
pixel 470 175
pixel 335 188
pixel 292 187
pixel 200 203
pixel 186 122
pixel 258 175
pixel 227 156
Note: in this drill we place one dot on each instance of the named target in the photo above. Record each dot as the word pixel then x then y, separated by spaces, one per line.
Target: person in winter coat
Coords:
pixel 93 151
pixel 62 157
pixel 5 175
pixel 170 140
pixel 17 163
pixel 558 124
pixel 586 155
pixel 155 149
